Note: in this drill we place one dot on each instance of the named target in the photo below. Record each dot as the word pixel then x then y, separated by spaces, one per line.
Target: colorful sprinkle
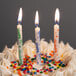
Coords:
pixel 49 65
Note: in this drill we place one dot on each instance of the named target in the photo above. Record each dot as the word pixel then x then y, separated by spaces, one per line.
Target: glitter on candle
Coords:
pixel 20 40
pixel 56 34
pixel 37 37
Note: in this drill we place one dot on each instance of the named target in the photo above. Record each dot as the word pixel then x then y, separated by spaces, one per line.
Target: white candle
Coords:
pixel 19 33
pixel 37 37
pixel 56 34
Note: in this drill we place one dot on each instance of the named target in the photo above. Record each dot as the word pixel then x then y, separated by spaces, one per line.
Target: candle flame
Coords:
pixel 57 15
pixel 37 18
pixel 20 15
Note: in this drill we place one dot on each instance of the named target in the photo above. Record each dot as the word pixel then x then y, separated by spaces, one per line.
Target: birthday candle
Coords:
pixel 37 37
pixel 19 33
pixel 56 34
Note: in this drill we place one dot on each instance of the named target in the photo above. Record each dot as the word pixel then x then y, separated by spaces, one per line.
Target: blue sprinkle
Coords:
pixel 51 71
pixel 14 62
pixel 50 60
pixel 35 72
pixel 28 71
pixel 49 56
pixel 27 61
pixel 35 57
pixel 46 69
pixel 23 69
pixel 50 67
pixel 45 60
pixel 35 68
pixel 61 62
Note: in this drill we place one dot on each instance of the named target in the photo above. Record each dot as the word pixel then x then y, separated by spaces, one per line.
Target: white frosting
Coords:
pixel 29 48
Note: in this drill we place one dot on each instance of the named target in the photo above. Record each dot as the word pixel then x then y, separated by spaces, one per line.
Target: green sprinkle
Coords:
pixel 19 64
pixel 33 59
pixel 41 72
pixel 31 73
pixel 19 36
pixel 25 57
pixel 49 64
pixel 63 65
pixel 53 62
pixel 11 65
pixel 33 68
pixel 42 57
pixel 43 68
pixel 55 69
pixel 59 64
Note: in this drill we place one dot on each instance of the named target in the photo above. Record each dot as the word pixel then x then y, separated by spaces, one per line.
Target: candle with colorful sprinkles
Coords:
pixel 37 37
pixel 19 33
pixel 56 34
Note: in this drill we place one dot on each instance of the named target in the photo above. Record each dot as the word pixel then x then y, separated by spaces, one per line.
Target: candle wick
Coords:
pixel 36 25
pixel 56 22
pixel 18 22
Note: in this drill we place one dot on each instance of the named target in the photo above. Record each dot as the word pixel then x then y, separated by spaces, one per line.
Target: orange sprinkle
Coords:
pixel 42 61
pixel 51 54
pixel 7 67
pixel 32 63
pixel 56 61
pixel 24 59
pixel 27 56
pixel 57 36
pixel 44 56
pixel 57 29
pixel 19 72
pixel 61 59
pixel 52 51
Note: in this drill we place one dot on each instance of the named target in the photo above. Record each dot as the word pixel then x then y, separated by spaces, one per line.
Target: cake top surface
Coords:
pixel 66 53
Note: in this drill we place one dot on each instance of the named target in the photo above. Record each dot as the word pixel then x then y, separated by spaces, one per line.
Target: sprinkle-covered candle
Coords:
pixel 19 33
pixel 37 37
pixel 56 34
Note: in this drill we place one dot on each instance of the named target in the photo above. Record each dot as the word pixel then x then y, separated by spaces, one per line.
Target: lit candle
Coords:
pixel 19 33
pixel 56 34
pixel 37 37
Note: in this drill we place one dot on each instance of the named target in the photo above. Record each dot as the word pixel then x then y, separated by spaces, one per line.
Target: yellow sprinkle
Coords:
pixel 14 71
pixel 12 64
pixel 18 66
pixel 33 71
pixel 61 59
pixel 29 67
pixel 23 67
pixel 33 52
pixel 29 60
pixel 27 63
pixel 58 66
pixel 62 55
pixel 46 72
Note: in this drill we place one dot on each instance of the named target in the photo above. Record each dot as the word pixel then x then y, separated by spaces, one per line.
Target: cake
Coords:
pixel 9 64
